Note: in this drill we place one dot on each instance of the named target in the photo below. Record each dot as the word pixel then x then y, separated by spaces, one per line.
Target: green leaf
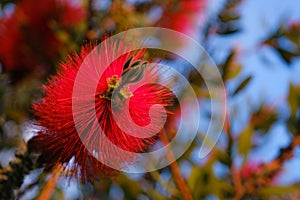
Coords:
pixel 223 157
pixel 277 190
pixel 264 118
pixel 293 100
pixel 227 63
pixel 245 141
pixel 242 85
pixel 233 71
pixel 127 64
pixel 134 75
pixel 287 55
pixel 130 187
pixel 227 29
pixel 228 16
pixel 203 182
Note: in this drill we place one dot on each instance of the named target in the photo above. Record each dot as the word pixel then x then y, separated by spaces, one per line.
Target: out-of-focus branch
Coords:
pixel 50 185
pixel 90 14
pixel 264 174
pixel 285 154
pixel 236 178
pixel 11 177
pixel 90 34
pixel 237 182
pixel 176 172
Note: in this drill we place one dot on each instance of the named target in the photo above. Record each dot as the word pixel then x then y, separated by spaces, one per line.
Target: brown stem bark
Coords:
pixel 50 185
pixel 181 184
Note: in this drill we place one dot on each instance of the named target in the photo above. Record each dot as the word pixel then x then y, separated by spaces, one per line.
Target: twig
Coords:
pixel 50 185
pixel 236 178
pixel 227 128
pixel 176 172
pixel 237 182
pixel 90 34
pixel 285 154
pixel 266 172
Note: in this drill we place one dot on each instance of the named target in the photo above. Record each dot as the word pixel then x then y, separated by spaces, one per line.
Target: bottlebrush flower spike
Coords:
pixel 34 27
pixel 58 140
pixel 183 15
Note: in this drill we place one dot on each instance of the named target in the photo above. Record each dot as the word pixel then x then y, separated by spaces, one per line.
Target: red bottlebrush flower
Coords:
pixel 183 16
pixel 29 36
pixel 249 171
pixel 59 142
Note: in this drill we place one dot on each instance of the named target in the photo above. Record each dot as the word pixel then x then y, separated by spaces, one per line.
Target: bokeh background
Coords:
pixel 256 45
